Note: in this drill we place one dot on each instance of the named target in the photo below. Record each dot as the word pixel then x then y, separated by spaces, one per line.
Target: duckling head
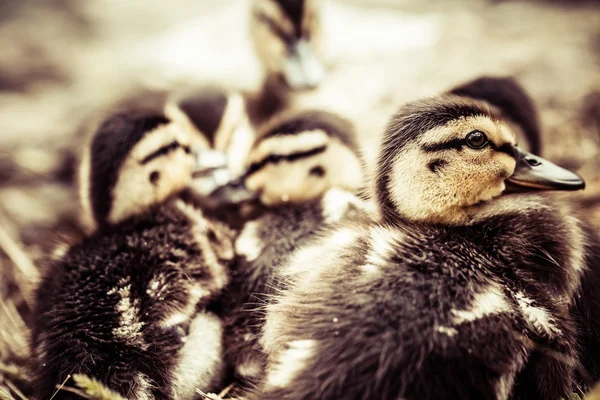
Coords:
pixel 440 158
pixel 299 156
pixel 134 160
pixel 511 100
pixel 285 35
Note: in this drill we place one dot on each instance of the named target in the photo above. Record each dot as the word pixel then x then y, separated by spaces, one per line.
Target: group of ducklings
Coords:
pixel 218 255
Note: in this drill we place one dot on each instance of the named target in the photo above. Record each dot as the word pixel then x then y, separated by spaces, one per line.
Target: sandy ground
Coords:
pixel 62 59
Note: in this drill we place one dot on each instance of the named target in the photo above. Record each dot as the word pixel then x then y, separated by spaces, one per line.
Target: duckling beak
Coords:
pixel 234 192
pixel 302 69
pixel 214 181
pixel 536 173
pixel 208 161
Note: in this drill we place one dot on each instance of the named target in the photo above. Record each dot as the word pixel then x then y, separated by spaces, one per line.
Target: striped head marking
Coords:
pixel 135 160
pixel 512 101
pixel 298 157
pixel 441 156
pixel 285 35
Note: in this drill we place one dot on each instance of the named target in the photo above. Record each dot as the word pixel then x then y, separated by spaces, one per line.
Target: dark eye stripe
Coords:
pixel 507 148
pixel 166 149
pixel 276 158
pixel 456 144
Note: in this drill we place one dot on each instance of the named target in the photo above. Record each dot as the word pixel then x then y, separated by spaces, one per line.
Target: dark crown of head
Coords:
pixel 113 141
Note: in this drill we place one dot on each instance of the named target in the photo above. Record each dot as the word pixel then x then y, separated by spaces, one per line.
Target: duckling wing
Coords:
pixel 123 307
pixel 377 314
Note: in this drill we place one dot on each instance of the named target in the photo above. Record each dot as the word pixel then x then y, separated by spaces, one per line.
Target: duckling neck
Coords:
pixel 451 216
pixel 532 236
pixel 272 97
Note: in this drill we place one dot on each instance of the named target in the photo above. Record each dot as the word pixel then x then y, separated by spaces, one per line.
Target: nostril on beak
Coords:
pixel 533 162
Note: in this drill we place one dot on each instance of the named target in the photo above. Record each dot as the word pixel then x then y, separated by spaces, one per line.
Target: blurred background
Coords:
pixel 62 59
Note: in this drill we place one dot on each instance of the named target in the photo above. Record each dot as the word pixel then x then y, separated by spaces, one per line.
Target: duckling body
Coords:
pixel 130 305
pixel 421 313
pixel 445 297
pixel 585 309
pixel 264 244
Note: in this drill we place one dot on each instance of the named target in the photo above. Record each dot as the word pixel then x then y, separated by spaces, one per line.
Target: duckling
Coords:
pixel 297 156
pixel 286 35
pixel 453 291
pixel 130 304
pixel 286 38
pixel 512 100
pixel 297 207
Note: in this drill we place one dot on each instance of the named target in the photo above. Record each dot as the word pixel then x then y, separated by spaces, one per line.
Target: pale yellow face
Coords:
pixel 309 163
pixel 432 181
pixel 160 165
pixel 272 32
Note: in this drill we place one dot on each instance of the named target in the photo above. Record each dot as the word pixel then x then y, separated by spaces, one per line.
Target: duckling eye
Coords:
pixel 187 149
pixel 317 171
pixel 476 140
pixel 212 236
pixel 154 175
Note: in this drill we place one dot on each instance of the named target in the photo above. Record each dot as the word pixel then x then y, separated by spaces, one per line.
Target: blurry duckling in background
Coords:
pixel 298 156
pixel 219 119
pixel 453 291
pixel 307 169
pixel 130 304
pixel 216 123
pixel 512 101
pixel 286 35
